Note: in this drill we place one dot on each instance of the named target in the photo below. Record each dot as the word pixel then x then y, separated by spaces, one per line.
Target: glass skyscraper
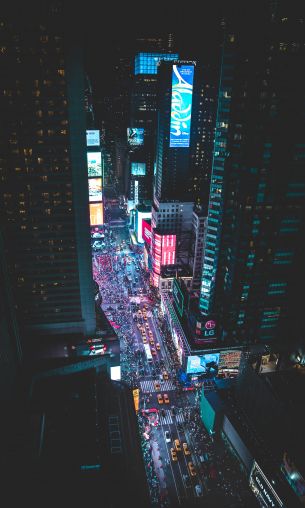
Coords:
pixel 253 255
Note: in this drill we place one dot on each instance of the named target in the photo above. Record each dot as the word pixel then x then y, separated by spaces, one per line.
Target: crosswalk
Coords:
pixel 148 386
pixel 168 419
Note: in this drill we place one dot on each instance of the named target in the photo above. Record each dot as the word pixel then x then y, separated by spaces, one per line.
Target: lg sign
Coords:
pixel 210 325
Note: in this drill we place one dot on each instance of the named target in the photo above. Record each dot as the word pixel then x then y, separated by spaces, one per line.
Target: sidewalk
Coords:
pixel 158 464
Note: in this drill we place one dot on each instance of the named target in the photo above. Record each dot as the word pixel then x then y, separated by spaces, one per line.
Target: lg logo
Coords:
pixel 210 325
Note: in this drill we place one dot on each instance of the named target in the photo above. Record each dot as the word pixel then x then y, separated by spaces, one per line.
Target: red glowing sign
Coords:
pixel 210 325
pixel 146 231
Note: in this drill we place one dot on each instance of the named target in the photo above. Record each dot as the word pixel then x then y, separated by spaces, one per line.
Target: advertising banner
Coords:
pixel 168 250
pixel 94 160
pixel 136 192
pixel 263 489
pixel 181 106
pixel 205 364
pixel 93 138
pixel 96 214
pixel 95 189
pixel 138 168
pixel 229 362
pixel 205 331
pixel 146 231
pixel 135 136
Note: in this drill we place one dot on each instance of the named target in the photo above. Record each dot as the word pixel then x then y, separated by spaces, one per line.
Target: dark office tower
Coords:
pixel 175 94
pixel 44 198
pixel 253 257
pixel 202 135
pixel 10 347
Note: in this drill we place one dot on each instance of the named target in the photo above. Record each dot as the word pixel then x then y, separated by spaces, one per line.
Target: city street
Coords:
pixel 166 412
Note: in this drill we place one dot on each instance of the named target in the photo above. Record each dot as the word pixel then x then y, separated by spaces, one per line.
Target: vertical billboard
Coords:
pixel 95 189
pixel 93 138
pixel 136 192
pixel 146 231
pixel 178 297
pixel 96 214
pixel 181 106
pixel 140 216
pixel 135 136
pixel 168 250
pixel 94 160
pixel 263 490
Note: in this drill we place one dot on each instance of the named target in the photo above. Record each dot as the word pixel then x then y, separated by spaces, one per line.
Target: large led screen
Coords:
pixel 168 250
pixel 146 231
pixel 205 364
pixel 181 105
pixel 229 362
pixel 94 160
pixel 135 136
pixel 96 214
pixel 93 138
pixel 138 168
pixel 95 189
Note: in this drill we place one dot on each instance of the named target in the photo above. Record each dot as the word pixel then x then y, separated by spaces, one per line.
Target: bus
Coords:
pixel 148 353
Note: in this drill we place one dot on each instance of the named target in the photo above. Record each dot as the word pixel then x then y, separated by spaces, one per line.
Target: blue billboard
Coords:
pixel 138 168
pixel 181 106
pixel 147 63
pixel 205 364
pixel 135 136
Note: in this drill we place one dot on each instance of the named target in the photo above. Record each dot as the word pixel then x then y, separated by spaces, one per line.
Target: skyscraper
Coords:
pixel 44 199
pixel 253 251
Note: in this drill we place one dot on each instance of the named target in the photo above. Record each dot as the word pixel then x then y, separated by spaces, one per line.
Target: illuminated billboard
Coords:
pixel 135 136
pixel 95 189
pixel 138 168
pixel 205 331
pixel 146 231
pixel 229 362
pixel 140 216
pixel 262 489
pixel 293 477
pixel 178 297
pixel 168 256
pixel 136 192
pixel 181 106
pixel 96 214
pixel 115 373
pixel 93 138
pixel 147 63
pixel 206 364
pixel 94 160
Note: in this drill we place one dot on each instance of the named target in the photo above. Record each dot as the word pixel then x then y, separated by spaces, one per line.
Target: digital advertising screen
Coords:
pixel 178 297
pixel 138 168
pixel 205 331
pixel 204 364
pixel 136 192
pixel 168 250
pixel 147 63
pixel 181 106
pixel 135 136
pixel 140 216
pixel 262 489
pixel 229 362
pixel 115 373
pixel 293 477
pixel 146 231
pixel 95 189
pixel 96 214
pixel 94 160
pixel 93 138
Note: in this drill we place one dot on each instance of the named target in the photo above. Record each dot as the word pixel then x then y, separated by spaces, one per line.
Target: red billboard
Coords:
pixel 168 250
pixel 146 231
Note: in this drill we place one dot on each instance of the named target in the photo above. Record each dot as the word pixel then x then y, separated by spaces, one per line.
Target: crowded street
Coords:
pixel 182 460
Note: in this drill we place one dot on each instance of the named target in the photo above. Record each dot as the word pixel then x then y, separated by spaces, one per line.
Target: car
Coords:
pixel 198 490
pixel 187 480
pixel 144 317
pixel 167 434
pixel 185 449
pixel 165 375
pixel 151 340
pixel 160 398
pixel 144 339
pixel 158 346
pixel 177 445
pixel 166 399
pixel 150 332
pixel 191 469
pixel 174 454
pixel 157 386
pixel 153 351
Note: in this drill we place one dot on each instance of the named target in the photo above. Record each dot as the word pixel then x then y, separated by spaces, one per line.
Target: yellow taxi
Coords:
pixel 158 346
pixel 174 455
pixel 160 398
pixel 151 340
pixel 144 339
pixel 157 386
pixel 191 469
pixel 165 375
pixel 177 445
pixel 185 449
pixel 166 399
